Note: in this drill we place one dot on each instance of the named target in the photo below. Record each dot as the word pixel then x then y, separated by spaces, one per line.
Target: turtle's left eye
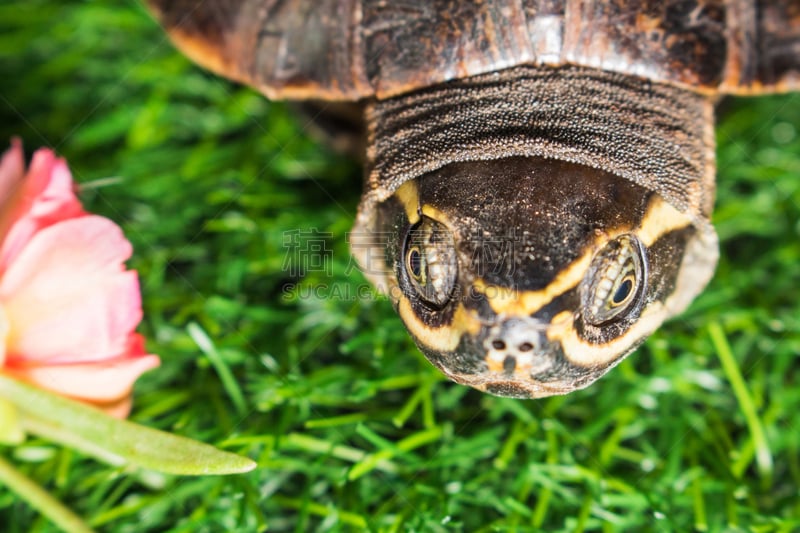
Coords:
pixel 430 261
pixel 614 284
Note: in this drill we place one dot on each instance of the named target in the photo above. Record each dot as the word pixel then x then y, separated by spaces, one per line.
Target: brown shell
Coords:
pixel 354 49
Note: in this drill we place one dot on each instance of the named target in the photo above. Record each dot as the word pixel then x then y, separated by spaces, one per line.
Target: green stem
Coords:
pixel 40 499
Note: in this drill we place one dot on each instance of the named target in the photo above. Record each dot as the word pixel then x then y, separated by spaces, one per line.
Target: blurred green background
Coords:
pixel 351 427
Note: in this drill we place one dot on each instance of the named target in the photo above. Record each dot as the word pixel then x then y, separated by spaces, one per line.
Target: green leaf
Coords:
pixel 11 431
pixel 93 432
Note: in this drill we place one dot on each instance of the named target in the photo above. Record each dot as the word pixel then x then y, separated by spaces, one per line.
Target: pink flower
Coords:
pixel 68 306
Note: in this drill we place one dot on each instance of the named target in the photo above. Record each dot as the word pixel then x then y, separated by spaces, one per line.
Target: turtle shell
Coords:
pixel 355 49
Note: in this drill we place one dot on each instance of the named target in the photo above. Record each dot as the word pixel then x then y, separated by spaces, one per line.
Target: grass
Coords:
pixel 351 427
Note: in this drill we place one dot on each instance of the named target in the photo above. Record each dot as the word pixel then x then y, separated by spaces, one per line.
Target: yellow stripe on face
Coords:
pixel 659 219
pixel 431 212
pixel 505 301
pixel 408 195
pixel 444 338
pixel 583 353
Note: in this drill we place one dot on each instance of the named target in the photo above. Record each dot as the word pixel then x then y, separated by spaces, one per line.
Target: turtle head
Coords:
pixel 528 277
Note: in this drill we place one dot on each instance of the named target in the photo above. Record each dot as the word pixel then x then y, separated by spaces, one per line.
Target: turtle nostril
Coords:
pixel 525 347
pixel 498 345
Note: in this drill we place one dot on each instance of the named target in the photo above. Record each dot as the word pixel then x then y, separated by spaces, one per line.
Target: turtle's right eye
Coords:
pixel 430 261
pixel 614 285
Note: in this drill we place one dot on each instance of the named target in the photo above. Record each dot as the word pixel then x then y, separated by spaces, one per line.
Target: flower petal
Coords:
pixel 67 296
pixel 118 408
pixel 100 382
pixel 68 306
pixel 4 327
pixel 44 198
pixel 12 168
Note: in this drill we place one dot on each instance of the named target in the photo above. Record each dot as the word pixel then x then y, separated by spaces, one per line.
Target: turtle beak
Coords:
pixel 517 345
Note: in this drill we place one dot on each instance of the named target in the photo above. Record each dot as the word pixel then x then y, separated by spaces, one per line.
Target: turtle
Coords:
pixel 539 174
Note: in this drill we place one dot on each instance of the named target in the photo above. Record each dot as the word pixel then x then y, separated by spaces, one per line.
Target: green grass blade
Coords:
pixel 225 375
pixel 370 462
pixel 40 499
pixel 731 369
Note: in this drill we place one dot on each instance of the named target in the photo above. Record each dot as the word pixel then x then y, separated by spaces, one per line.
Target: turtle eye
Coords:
pixel 430 261
pixel 615 281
